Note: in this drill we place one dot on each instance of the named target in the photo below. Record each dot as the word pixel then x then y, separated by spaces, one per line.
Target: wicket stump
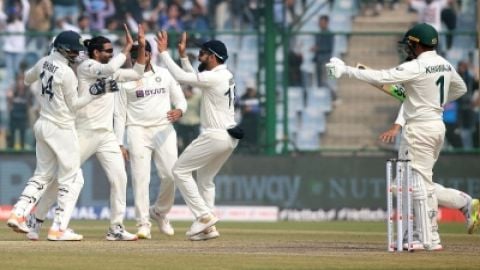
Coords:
pixel 402 175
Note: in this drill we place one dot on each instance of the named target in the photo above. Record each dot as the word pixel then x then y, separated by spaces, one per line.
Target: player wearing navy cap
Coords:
pixel 209 151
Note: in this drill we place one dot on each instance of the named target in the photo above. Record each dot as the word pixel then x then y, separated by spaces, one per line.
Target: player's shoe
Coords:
pixel 66 235
pixel 201 224
pixel 435 247
pixel 415 245
pixel 162 222
pixel 18 223
pixel 34 225
pixel 118 233
pixel 472 217
pixel 144 231
pixel 209 233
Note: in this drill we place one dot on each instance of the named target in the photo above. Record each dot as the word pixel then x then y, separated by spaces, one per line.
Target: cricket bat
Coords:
pixel 395 90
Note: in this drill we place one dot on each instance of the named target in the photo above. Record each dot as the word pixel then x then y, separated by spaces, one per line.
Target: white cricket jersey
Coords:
pixel 99 113
pixel 59 99
pixel 218 91
pixel 146 102
pixel 430 82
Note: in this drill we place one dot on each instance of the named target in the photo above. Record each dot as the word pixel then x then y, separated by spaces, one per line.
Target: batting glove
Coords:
pixel 336 68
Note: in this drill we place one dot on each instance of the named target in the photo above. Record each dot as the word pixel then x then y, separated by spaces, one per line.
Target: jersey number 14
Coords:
pixel 46 85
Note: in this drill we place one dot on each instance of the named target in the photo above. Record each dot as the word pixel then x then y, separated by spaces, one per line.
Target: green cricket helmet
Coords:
pixel 422 33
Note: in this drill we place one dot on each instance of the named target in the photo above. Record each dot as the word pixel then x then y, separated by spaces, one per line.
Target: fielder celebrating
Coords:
pixel 57 146
pixel 209 151
pixel 430 82
pixel 145 107
pixel 95 130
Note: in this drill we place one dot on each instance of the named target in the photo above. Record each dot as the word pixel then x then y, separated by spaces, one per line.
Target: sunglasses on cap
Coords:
pixel 202 52
pixel 209 52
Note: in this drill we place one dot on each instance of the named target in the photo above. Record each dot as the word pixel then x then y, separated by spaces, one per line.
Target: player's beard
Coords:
pixel 202 67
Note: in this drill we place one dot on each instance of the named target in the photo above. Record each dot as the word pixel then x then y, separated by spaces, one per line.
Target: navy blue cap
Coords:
pixel 69 40
pixel 216 47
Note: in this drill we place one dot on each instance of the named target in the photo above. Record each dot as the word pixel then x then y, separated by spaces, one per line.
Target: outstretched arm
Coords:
pixel 179 74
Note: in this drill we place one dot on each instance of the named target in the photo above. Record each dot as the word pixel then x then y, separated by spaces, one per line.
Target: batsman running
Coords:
pixel 430 82
pixel 447 197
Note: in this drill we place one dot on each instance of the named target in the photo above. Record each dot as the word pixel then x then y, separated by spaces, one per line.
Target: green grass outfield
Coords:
pixel 282 245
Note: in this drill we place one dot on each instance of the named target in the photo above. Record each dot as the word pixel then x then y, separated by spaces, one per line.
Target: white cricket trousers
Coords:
pixel 159 142
pixel 447 197
pixel 104 145
pixel 424 141
pixel 58 157
pixel 206 155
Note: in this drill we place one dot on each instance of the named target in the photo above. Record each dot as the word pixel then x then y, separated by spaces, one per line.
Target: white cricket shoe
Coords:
pixel 144 231
pixel 414 245
pixel 67 235
pixel 471 216
pixel 18 223
pixel 434 247
pixel 162 222
pixel 34 225
pixel 209 233
pixel 201 224
pixel 118 233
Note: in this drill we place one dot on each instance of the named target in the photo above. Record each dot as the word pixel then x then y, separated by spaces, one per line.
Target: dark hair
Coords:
pixel 134 49
pixel 82 17
pixel 325 17
pixel 95 43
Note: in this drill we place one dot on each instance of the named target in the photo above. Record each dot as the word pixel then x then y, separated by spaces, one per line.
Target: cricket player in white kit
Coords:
pixel 207 153
pixel 94 124
pixel 145 107
pixel 57 147
pixel 447 197
pixel 430 82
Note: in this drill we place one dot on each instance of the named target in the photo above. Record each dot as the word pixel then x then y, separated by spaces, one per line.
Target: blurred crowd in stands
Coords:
pixel 28 27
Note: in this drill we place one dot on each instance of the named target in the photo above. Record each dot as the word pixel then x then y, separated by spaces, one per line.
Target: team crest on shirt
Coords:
pixel 158 79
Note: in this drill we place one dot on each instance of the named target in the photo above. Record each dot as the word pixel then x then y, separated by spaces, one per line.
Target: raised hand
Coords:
pixel 141 36
pixel 162 41
pixel 128 40
pixel 182 45
pixel 141 46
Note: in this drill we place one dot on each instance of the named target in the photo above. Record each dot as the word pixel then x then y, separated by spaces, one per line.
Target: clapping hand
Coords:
pixel 162 41
pixel 182 45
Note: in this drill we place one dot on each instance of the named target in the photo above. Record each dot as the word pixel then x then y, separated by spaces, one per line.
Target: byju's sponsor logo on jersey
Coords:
pixel 149 92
